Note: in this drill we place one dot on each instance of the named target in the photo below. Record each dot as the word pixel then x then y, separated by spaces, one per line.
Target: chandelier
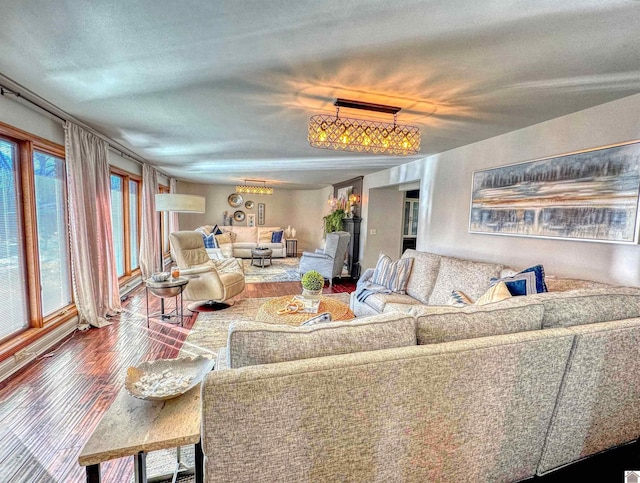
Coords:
pixel 254 190
pixel 362 136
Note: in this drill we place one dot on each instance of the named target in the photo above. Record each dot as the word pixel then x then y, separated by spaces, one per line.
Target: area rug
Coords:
pixel 210 329
pixel 280 270
pixel 208 334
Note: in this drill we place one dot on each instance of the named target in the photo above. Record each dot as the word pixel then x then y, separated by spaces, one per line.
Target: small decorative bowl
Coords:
pixel 161 276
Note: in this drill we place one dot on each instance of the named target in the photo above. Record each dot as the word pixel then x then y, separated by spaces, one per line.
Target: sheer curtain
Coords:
pixel 174 225
pixel 149 241
pixel 92 254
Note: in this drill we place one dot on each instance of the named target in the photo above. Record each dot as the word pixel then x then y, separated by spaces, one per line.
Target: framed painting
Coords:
pixel 251 219
pixel 589 195
pixel 261 213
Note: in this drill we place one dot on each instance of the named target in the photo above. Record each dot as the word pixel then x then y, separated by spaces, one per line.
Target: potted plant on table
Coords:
pixel 312 283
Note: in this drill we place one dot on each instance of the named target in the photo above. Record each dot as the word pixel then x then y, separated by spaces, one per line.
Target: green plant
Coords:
pixel 333 221
pixel 312 280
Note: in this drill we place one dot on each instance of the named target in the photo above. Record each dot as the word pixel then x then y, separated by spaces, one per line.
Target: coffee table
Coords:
pixel 261 254
pixel 268 312
pixel 133 427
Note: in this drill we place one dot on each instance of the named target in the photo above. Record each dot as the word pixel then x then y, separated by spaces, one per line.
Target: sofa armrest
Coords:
pixel 366 276
pixel 319 250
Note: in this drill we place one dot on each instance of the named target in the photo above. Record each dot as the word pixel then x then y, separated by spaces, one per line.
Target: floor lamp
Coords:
pixel 178 203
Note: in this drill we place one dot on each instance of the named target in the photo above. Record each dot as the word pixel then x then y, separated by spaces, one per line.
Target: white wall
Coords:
pixel 303 210
pixel 385 217
pixel 445 193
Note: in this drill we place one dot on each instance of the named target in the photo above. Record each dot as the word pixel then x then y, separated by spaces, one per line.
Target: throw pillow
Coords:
pixel 495 293
pixel 526 282
pixel 392 275
pixel 209 241
pixel 459 299
pixel 216 230
pixel 223 239
pixel 318 319
pixel 276 236
pixel 265 236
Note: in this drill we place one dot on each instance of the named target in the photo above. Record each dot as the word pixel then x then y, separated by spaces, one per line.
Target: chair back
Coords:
pixel 336 246
pixel 188 248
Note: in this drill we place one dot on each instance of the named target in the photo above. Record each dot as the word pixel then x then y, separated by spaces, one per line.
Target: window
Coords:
pixel 125 218
pixel 35 294
pixel 12 290
pixel 53 241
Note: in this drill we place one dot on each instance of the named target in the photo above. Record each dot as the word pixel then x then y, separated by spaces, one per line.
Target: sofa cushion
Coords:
pixel 392 275
pixel 378 301
pixel 526 282
pixel 588 306
pixel 445 323
pixel 265 236
pixel 209 241
pixel 424 273
pixel 473 278
pixel 276 236
pixel 223 239
pixel 252 343
pixel 495 293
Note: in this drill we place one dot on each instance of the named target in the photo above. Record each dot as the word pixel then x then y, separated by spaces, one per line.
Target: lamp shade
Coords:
pixel 180 203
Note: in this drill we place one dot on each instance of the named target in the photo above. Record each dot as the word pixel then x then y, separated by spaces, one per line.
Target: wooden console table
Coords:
pixel 133 427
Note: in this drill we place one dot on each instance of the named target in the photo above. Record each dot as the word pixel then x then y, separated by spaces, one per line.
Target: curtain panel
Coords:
pixel 149 238
pixel 95 281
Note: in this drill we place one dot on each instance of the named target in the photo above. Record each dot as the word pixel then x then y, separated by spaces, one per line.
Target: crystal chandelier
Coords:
pixel 362 136
pixel 254 190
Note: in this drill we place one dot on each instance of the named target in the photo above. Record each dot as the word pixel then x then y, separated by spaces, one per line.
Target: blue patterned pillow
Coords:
pixel 392 275
pixel 216 230
pixel 526 282
pixel 276 236
pixel 210 240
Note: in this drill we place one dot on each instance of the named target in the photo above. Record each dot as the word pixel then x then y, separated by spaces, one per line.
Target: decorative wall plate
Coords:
pixel 235 200
pixel 249 205
pixel 238 215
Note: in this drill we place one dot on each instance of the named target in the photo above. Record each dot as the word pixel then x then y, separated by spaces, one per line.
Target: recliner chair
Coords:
pixel 211 281
pixel 327 262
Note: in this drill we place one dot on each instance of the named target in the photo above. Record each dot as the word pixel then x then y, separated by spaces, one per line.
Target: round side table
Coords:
pixel 170 288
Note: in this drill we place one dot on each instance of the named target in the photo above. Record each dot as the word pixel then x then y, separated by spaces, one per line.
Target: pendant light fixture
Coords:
pixel 363 136
pixel 254 190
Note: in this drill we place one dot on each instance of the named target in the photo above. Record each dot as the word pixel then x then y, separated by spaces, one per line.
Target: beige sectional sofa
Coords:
pixel 248 237
pixel 417 393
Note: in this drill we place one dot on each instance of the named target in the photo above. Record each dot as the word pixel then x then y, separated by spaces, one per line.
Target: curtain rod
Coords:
pixel 4 90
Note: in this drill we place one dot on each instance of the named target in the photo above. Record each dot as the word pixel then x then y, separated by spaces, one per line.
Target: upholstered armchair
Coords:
pixel 328 261
pixel 212 281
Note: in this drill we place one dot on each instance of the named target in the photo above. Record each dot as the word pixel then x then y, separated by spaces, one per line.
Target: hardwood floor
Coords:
pixel 49 409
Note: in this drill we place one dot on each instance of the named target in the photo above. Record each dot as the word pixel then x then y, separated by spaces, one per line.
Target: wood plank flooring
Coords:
pixel 49 409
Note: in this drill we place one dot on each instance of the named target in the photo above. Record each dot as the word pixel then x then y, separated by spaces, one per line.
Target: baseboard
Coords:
pixel 27 355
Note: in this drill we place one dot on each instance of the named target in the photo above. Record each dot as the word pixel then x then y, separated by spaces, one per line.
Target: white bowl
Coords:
pixel 194 369
pixel 161 276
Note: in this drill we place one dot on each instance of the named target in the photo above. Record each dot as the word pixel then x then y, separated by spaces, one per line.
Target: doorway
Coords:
pixel 410 219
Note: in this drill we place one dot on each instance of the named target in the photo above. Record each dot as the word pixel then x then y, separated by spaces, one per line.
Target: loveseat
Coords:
pixel 243 239
pixel 500 392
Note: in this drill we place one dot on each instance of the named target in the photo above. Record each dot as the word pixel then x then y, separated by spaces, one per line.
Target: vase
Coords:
pixel 293 232
pixel 287 232
pixel 311 294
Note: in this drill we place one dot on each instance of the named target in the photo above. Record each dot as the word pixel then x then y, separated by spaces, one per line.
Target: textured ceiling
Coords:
pixel 220 91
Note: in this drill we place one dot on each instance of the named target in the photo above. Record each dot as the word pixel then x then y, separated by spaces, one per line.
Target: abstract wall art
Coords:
pixel 590 195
